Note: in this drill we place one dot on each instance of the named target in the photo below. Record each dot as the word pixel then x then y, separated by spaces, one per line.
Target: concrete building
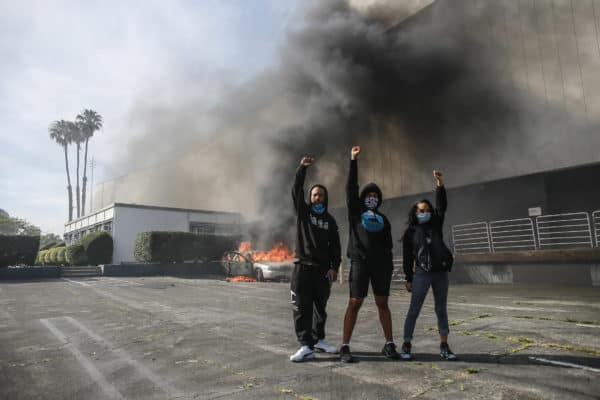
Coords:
pixel 125 221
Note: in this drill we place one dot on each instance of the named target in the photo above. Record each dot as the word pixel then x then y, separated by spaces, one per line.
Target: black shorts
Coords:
pixel 378 273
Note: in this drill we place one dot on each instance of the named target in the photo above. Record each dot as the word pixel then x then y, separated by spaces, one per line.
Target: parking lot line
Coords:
pixel 564 364
pixel 125 357
pixel 77 282
pixel 91 370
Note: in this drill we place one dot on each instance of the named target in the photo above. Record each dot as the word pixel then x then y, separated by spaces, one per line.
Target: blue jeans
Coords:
pixel 420 286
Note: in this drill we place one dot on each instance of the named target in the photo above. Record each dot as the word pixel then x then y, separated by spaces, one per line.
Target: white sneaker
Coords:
pixel 305 353
pixel 322 345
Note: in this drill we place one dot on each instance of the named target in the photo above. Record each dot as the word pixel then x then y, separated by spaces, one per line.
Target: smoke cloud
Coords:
pixel 429 89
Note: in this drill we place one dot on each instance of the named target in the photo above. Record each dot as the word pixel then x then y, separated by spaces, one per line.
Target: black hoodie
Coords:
pixel 317 236
pixel 362 244
pixel 423 244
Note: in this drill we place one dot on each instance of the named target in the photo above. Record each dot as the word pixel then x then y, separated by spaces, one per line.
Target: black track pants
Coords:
pixel 310 291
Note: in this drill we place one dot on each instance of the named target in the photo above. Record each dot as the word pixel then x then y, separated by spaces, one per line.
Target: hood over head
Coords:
pixel 368 188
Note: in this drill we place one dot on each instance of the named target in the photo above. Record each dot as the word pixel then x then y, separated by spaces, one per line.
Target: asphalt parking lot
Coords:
pixel 158 338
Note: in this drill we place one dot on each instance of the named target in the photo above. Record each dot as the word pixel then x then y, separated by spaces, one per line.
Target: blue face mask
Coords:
pixel 372 222
pixel 424 217
pixel 318 208
pixel 371 202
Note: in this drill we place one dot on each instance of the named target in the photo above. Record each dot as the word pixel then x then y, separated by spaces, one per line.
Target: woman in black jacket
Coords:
pixel 426 262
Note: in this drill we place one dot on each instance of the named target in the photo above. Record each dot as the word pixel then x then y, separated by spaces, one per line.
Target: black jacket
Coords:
pixel 317 236
pixel 423 244
pixel 362 244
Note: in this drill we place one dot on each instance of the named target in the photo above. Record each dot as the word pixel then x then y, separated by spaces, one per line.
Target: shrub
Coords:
pixel 179 246
pixel 61 258
pixel 75 255
pixel 16 249
pixel 39 260
pixel 48 257
pixel 98 247
pixel 53 256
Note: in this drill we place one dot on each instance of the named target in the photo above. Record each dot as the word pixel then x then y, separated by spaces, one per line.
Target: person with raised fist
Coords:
pixel 318 253
pixel 370 253
pixel 426 262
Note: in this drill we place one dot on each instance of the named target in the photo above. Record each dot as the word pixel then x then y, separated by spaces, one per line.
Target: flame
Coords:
pixel 240 278
pixel 279 252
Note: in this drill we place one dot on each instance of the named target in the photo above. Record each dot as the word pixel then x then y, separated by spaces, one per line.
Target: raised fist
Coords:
pixel 354 152
pixel 437 175
pixel 307 161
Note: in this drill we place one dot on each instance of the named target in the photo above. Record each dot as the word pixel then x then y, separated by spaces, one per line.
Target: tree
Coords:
pixel 17 226
pixel 77 139
pixel 49 238
pixel 61 132
pixel 89 121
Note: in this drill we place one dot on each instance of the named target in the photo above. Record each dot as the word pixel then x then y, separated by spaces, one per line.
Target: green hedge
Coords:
pixel 15 250
pixel 98 247
pixel 75 255
pixel 180 246
pixel 39 260
pixel 53 256
pixel 61 255
pixel 47 258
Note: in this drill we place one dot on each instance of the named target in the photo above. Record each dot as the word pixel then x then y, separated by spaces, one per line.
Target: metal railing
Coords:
pixel 596 223
pixel 512 235
pixel 560 231
pixel 471 238
pixel 546 232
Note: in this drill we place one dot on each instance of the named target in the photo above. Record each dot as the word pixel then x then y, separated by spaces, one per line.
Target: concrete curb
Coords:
pixel 29 273
pixel 527 273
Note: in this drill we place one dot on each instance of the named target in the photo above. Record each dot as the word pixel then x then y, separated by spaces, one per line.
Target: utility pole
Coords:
pixel 92 165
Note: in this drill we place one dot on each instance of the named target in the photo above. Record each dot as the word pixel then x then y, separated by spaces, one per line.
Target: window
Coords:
pixel 202 228
pixel 209 228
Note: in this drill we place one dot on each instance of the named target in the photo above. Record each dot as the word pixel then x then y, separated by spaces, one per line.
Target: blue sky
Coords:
pixel 59 57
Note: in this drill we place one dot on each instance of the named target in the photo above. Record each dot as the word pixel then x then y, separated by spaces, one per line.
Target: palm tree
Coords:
pixel 77 138
pixel 60 132
pixel 89 121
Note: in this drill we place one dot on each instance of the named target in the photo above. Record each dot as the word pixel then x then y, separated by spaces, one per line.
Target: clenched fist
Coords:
pixel 307 161
pixel 437 175
pixel 354 152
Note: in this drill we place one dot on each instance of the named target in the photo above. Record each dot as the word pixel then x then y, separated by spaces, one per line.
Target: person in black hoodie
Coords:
pixel 318 253
pixel 370 252
pixel 426 262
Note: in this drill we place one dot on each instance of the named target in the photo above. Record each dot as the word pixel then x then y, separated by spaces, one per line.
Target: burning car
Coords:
pixel 274 264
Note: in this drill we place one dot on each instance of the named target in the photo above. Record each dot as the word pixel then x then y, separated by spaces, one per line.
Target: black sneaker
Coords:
pixel 345 355
pixel 389 351
pixel 446 353
pixel 406 355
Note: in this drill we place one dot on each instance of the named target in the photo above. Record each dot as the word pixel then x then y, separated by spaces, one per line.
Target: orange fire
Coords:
pixel 240 278
pixel 279 252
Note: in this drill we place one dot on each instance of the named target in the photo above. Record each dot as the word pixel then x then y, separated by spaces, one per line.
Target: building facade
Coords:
pixel 125 221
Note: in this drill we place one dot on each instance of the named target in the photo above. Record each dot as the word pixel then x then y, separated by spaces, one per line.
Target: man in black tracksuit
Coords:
pixel 318 254
pixel 370 253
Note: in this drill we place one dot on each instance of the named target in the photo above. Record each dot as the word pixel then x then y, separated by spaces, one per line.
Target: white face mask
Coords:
pixel 371 202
